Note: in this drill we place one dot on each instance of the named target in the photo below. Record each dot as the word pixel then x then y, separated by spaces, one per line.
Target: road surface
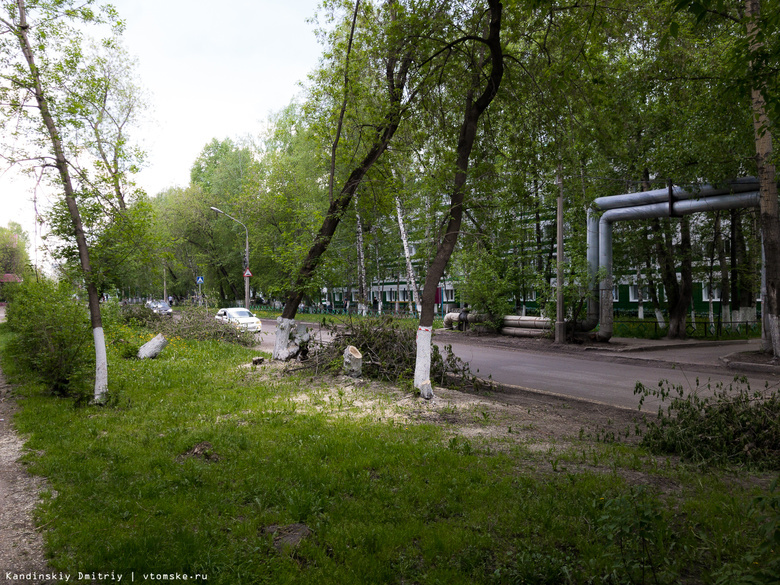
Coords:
pixel 597 376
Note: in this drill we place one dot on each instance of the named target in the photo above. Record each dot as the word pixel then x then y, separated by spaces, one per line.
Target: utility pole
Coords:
pixel 560 323
pixel 247 273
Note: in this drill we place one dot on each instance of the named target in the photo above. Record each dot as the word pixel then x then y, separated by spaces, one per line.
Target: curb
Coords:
pixel 664 346
pixel 733 364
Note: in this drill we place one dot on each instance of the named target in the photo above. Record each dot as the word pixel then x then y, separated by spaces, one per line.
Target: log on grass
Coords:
pixel 151 349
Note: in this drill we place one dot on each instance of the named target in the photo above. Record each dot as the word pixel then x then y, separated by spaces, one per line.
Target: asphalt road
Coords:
pixel 600 377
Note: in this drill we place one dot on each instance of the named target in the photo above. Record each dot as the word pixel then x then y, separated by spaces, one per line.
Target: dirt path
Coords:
pixel 21 545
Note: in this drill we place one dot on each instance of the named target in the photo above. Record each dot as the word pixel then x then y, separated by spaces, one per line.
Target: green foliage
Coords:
pixel 199 324
pixel 200 465
pixel 486 285
pixel 52 335
pixel 639 536
pixel 14 258
pixel 389 349
pixel 138 316
pixel 723 425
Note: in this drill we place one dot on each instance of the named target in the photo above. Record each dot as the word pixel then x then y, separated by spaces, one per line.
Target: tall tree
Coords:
pixel 42 58
pixel 486 68
pixel 383 109
pixel 754 26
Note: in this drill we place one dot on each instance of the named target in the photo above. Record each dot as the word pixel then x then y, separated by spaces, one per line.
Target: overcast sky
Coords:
pixel 213 70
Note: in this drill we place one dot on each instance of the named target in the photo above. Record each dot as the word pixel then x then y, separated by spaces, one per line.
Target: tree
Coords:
pixel 754 26
pixel 487 70
pixel 42 58
pixel 387 77
pixel 14 258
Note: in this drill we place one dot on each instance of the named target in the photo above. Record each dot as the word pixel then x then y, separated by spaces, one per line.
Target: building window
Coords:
pixel 710 295
pixel 615 293
pixel 529 297
pixel 633 293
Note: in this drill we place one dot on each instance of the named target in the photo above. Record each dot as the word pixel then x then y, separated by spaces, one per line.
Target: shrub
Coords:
pixel 732 425
pixel 389 349
pixel 487 286
pixel 138 316
pixel 199 324
pixel 52 337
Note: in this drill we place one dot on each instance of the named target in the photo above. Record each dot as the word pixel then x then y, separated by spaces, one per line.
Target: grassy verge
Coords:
pixel 203 468
pixel 406 320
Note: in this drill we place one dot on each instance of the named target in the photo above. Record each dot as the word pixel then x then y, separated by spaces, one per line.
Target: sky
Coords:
pixel 212 70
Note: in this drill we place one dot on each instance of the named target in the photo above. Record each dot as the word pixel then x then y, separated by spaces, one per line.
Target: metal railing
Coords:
pixel 702 328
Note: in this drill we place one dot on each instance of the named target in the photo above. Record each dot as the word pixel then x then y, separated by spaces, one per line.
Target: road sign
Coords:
pixel 198 280
pixel 247 273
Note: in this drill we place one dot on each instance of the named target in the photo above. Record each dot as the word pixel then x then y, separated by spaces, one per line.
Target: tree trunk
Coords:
pixel 411 277
pixel 725 293
pixel 340 204
pixel 101 363
pixel 361 258
pixel 468 132
pixel 396 77
pixel 678 294
pixel 770 222
pixel 152 348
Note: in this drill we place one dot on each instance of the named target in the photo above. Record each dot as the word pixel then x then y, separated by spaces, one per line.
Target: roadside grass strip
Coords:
pixel 201 466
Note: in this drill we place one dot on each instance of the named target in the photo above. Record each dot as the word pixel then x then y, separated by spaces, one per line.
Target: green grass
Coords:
pixel 407 320
pixel 387 500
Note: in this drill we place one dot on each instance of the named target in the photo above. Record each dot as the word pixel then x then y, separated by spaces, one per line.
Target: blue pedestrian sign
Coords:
pixel 199 280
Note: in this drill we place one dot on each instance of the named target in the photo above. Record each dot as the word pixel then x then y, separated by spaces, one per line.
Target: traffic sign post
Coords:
pixel 199 281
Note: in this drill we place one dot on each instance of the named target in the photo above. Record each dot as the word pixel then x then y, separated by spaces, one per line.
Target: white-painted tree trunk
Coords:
pixel 284 328
pixel 353 362
pixel 152 348
pixel 411 279
pixel 101 365
pixel 422 367
pixel 659 316
pixel 361 257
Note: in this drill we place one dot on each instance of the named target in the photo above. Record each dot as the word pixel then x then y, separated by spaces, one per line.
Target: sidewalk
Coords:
pixel 737 356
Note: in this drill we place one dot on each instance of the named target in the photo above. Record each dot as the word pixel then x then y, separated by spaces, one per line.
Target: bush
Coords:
pixel 487 286
pixel 389 348
pixel 138 316
pixel 731 425
pixel 199 324
pixel 53 337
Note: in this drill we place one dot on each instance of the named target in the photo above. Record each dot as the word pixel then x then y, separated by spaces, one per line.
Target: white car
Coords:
pixel 240 317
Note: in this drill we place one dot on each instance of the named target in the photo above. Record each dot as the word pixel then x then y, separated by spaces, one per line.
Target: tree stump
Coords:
pixel 151 349
pixel 353 362
pixel 292 340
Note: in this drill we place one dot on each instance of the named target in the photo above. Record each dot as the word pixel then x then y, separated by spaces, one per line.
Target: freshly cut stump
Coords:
pixel 353 361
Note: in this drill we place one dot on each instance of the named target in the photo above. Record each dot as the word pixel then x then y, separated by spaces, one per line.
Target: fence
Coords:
pixel 702 328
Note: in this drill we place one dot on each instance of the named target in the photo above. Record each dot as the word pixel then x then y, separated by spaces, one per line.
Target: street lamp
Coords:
pixel 246 258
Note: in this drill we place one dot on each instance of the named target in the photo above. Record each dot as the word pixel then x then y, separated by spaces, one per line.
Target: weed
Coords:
pixel 724 425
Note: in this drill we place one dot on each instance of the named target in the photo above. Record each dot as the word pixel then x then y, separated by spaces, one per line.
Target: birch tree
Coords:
pixel 411 277
pixel 42 50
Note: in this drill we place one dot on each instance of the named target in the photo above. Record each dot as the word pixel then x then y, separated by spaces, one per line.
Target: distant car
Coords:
pixel 161 308
pixel 240 317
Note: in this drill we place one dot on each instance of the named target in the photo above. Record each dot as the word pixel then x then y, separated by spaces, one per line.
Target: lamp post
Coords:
pixel 246 257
